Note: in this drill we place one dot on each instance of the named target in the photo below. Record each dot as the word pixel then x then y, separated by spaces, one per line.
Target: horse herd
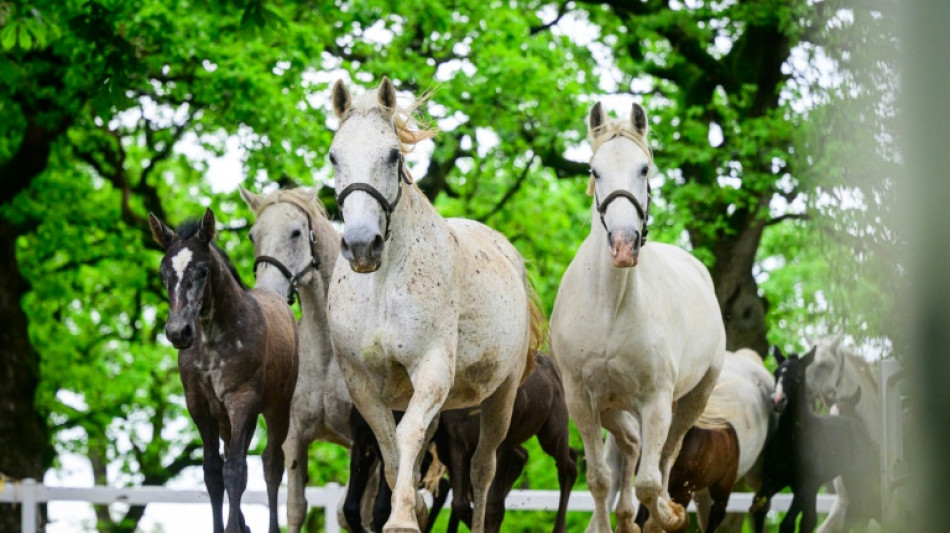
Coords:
pixel 417 349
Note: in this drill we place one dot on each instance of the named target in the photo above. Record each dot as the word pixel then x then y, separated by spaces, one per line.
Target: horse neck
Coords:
pixel 328 250
pixel 414 220
pixel 612 284
pixel 228 300
pixel 796 415
pixel 315 344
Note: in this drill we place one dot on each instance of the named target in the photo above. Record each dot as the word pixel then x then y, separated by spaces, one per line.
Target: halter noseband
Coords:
pixel 292 278
pixel 388 208
pixel 622 193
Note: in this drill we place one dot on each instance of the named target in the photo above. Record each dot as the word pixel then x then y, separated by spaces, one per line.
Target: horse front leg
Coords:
pixel 587 420
pixel 788 523
pixel 211 462
pixel 243 415
pixel 626 432
pixel 295 453
pixel 278 420
pixel 431 380
pixel 835 521
pixel 650 485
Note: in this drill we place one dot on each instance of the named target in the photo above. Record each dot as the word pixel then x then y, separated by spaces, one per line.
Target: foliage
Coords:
pixel 110 109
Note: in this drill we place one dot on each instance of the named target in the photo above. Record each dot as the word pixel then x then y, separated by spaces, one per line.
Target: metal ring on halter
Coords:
pixel 621 193
pixel 388 208
pixel 291 277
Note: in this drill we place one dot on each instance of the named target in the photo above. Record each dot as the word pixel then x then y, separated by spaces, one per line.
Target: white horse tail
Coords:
pixel 537 331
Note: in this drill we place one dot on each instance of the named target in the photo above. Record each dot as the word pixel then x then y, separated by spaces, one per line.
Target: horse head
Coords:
pixel 790 378
pixel 368 171
pixel 826 374
pixel 185 267
pixel 285 245
pixel 620 170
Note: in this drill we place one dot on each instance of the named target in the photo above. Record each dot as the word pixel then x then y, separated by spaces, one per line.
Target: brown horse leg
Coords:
pixel 278 421
pixel 720 497
pixel 212 463
pixel 511 463
pixel 554 440
pixel 459 475
pixel 243 418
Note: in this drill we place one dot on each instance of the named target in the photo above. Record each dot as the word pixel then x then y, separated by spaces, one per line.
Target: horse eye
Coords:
pixel 295 234
pixel 594 174
pixel 250 237
pixel 202 272
pixel 643 171
pixel 332 159
pixel 393 156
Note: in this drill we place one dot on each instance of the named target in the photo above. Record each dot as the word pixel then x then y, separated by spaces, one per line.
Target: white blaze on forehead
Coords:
pixel 180 261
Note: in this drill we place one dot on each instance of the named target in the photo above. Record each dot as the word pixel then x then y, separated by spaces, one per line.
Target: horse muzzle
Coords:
pixel 624 247
pixel 363 249
pixel 181 334
pixel 778 402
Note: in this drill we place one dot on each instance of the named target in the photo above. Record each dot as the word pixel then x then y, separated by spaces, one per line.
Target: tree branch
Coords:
pixel 561 11
pixel 510 193
pixel 788 216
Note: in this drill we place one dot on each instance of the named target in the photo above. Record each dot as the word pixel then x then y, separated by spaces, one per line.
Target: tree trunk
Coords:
pixel 743 310
pixel 24 436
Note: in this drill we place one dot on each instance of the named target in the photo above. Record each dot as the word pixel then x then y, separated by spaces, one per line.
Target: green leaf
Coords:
pixel 23 37
pixel 8 36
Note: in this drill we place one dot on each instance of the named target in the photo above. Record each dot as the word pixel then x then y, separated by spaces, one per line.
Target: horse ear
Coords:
pixel 777 354
pixel 810 356
pixel 206 233
pixel 639 119
pixel 341 99
pixel 596 119
pixel 386 95
pixel 162 234
pixel 252 200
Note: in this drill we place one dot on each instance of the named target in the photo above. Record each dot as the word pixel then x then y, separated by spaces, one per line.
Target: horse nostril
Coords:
pixel 186 333
pixel 610 237
pixel 377 245
pixel 344 247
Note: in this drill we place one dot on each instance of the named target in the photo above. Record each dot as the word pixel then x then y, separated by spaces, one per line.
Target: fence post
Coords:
pixel 28 506
pixel 892 443
pixel 333 494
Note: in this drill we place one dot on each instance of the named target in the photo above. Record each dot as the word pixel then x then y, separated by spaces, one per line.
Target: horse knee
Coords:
pixel 648 489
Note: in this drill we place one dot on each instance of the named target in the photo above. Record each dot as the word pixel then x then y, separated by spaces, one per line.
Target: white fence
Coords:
pixel 29 494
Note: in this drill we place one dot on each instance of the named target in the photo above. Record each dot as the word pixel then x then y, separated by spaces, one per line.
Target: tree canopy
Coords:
pixel 771 122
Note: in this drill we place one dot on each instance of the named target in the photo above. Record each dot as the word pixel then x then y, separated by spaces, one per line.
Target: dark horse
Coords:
pixel 807 450
pixel 539 410
pixel 237 356
pixel 708 459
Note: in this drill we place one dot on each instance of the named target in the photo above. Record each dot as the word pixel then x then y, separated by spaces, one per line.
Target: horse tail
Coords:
pixel 537 329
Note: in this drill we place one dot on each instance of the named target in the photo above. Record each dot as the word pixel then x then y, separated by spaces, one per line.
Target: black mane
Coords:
pixel 189 228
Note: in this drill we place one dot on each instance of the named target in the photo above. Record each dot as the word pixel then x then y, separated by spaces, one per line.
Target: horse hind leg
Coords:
pixel 835 520
pixel 555 441
pixel 494 419
pixel 278 421
pixel 626 438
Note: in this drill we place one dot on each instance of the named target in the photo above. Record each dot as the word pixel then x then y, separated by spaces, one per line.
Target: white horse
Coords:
pixel 838 373
pixel 633 344
pixel 296 248
pixel 435 314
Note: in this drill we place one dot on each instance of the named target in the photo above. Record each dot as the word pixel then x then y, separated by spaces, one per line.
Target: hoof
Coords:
pixel 627 525
pixel 401 527
pixel 671 515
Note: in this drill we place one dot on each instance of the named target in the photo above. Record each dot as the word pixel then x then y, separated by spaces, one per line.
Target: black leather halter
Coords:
pixel 388 208
pixel 291 277
pixel 621 193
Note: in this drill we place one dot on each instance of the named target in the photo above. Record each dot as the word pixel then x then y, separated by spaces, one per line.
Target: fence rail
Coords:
pixel 29 494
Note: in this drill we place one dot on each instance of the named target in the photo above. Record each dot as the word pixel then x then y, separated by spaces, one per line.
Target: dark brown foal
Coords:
pixel 709 459
pixel 237 355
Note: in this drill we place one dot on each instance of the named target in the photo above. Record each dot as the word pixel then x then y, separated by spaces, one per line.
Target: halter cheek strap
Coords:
pixel 388 207
pixel 294 279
